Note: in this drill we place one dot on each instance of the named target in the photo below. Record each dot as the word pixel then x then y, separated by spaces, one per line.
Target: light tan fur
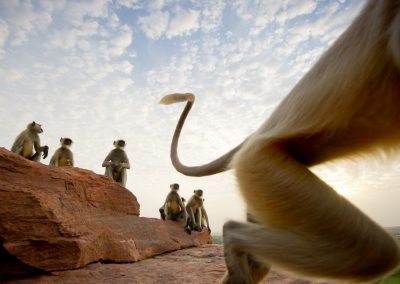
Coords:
pixel 196 211
pixel 63 156
pixel 27 143
pixel 201 214
pixel 116 164
pixel 347 104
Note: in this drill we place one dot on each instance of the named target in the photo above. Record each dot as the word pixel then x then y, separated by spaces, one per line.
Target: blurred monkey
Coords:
pixel 346 105
pixel 63 156
pixel 116 163
pixel 28 140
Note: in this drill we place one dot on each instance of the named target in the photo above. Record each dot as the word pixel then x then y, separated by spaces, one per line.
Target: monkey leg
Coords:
pixel 123 177
pixel 304 225
pixel 162 213
pixel 109 172
pixel 241 244
pixel 35 157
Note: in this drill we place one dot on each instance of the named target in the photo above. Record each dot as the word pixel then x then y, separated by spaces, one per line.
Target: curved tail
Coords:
pixel 219 165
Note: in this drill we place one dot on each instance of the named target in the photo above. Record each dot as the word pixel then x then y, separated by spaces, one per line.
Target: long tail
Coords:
pixel 219 165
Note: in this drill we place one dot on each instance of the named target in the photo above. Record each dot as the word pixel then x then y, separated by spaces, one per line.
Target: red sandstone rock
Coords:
pixel 203 265
pixel 63 218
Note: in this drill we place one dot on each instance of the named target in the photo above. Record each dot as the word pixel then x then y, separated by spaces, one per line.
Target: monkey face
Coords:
pixel 66 141
pixel 174 186
pixel 36 127
pixel 119 143
pixel 198 192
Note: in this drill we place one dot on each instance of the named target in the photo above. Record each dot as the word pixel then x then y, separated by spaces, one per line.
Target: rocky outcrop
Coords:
pixel 64 218
pixel 203 265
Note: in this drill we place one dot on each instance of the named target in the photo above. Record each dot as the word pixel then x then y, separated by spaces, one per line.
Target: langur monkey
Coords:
pixel 116 163
pixel 162 211
pixel 28 140
pixel 63 156
pixel 204 218
pixel 348 104
pixel 196 211
pixel 174 207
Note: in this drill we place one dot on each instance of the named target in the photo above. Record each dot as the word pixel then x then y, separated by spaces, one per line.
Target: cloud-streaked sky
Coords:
pixel 95 70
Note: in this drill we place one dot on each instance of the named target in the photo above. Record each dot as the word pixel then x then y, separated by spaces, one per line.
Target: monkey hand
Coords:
pixel 124 165
pixel 107 164
pixel 45 151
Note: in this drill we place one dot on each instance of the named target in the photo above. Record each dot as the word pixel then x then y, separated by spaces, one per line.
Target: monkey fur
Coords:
pixel 346 105
pixel 28 141
pixel 63 156
pixel 116 163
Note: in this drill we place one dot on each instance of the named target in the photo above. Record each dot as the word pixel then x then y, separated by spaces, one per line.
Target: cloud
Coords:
pixel 76 11
pixel 23 20
pixel 4 32
pixel 183 22
pixel 131 4
pixel 259 12
pixel 177 22
pixel 154 25
pixel 121 42
pixel 296 9
pixel 69 38
pixel 211 15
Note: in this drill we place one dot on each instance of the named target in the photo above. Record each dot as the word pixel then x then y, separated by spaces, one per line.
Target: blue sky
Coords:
pixel 95 70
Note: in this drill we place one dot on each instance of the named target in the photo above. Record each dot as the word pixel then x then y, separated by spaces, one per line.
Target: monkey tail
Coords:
pixel 219 165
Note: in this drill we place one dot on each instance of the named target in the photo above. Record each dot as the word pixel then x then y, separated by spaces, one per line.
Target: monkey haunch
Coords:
pixel 116 163
pixel 28 140
pixel 347 104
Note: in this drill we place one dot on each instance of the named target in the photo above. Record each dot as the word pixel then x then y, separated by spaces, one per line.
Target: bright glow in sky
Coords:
pixel 95 70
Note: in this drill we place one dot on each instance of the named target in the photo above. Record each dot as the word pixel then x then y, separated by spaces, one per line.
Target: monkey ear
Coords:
pixel 33 123
pixel 61 139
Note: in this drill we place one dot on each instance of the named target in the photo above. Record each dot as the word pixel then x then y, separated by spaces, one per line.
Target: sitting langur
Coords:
pixel 174 207
pixel 28 141
pixel 116 163
pixel 348 104
pixel 196 211
pixel 162 211
pixel 63 156
pixel 204 218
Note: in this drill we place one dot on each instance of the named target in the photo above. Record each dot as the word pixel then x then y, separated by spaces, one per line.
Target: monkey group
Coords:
pixel 27 144
pixel 193 215
pixel 346 105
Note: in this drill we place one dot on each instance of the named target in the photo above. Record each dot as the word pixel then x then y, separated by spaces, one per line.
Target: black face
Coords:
pixel 121 143
pixel 174 186
pixel 67 141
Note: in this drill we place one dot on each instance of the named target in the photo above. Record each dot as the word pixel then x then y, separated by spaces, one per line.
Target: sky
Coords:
pixel 95 70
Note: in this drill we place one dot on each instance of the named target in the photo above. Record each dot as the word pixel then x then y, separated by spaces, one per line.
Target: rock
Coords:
pixel 203 265
pixel 64 218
